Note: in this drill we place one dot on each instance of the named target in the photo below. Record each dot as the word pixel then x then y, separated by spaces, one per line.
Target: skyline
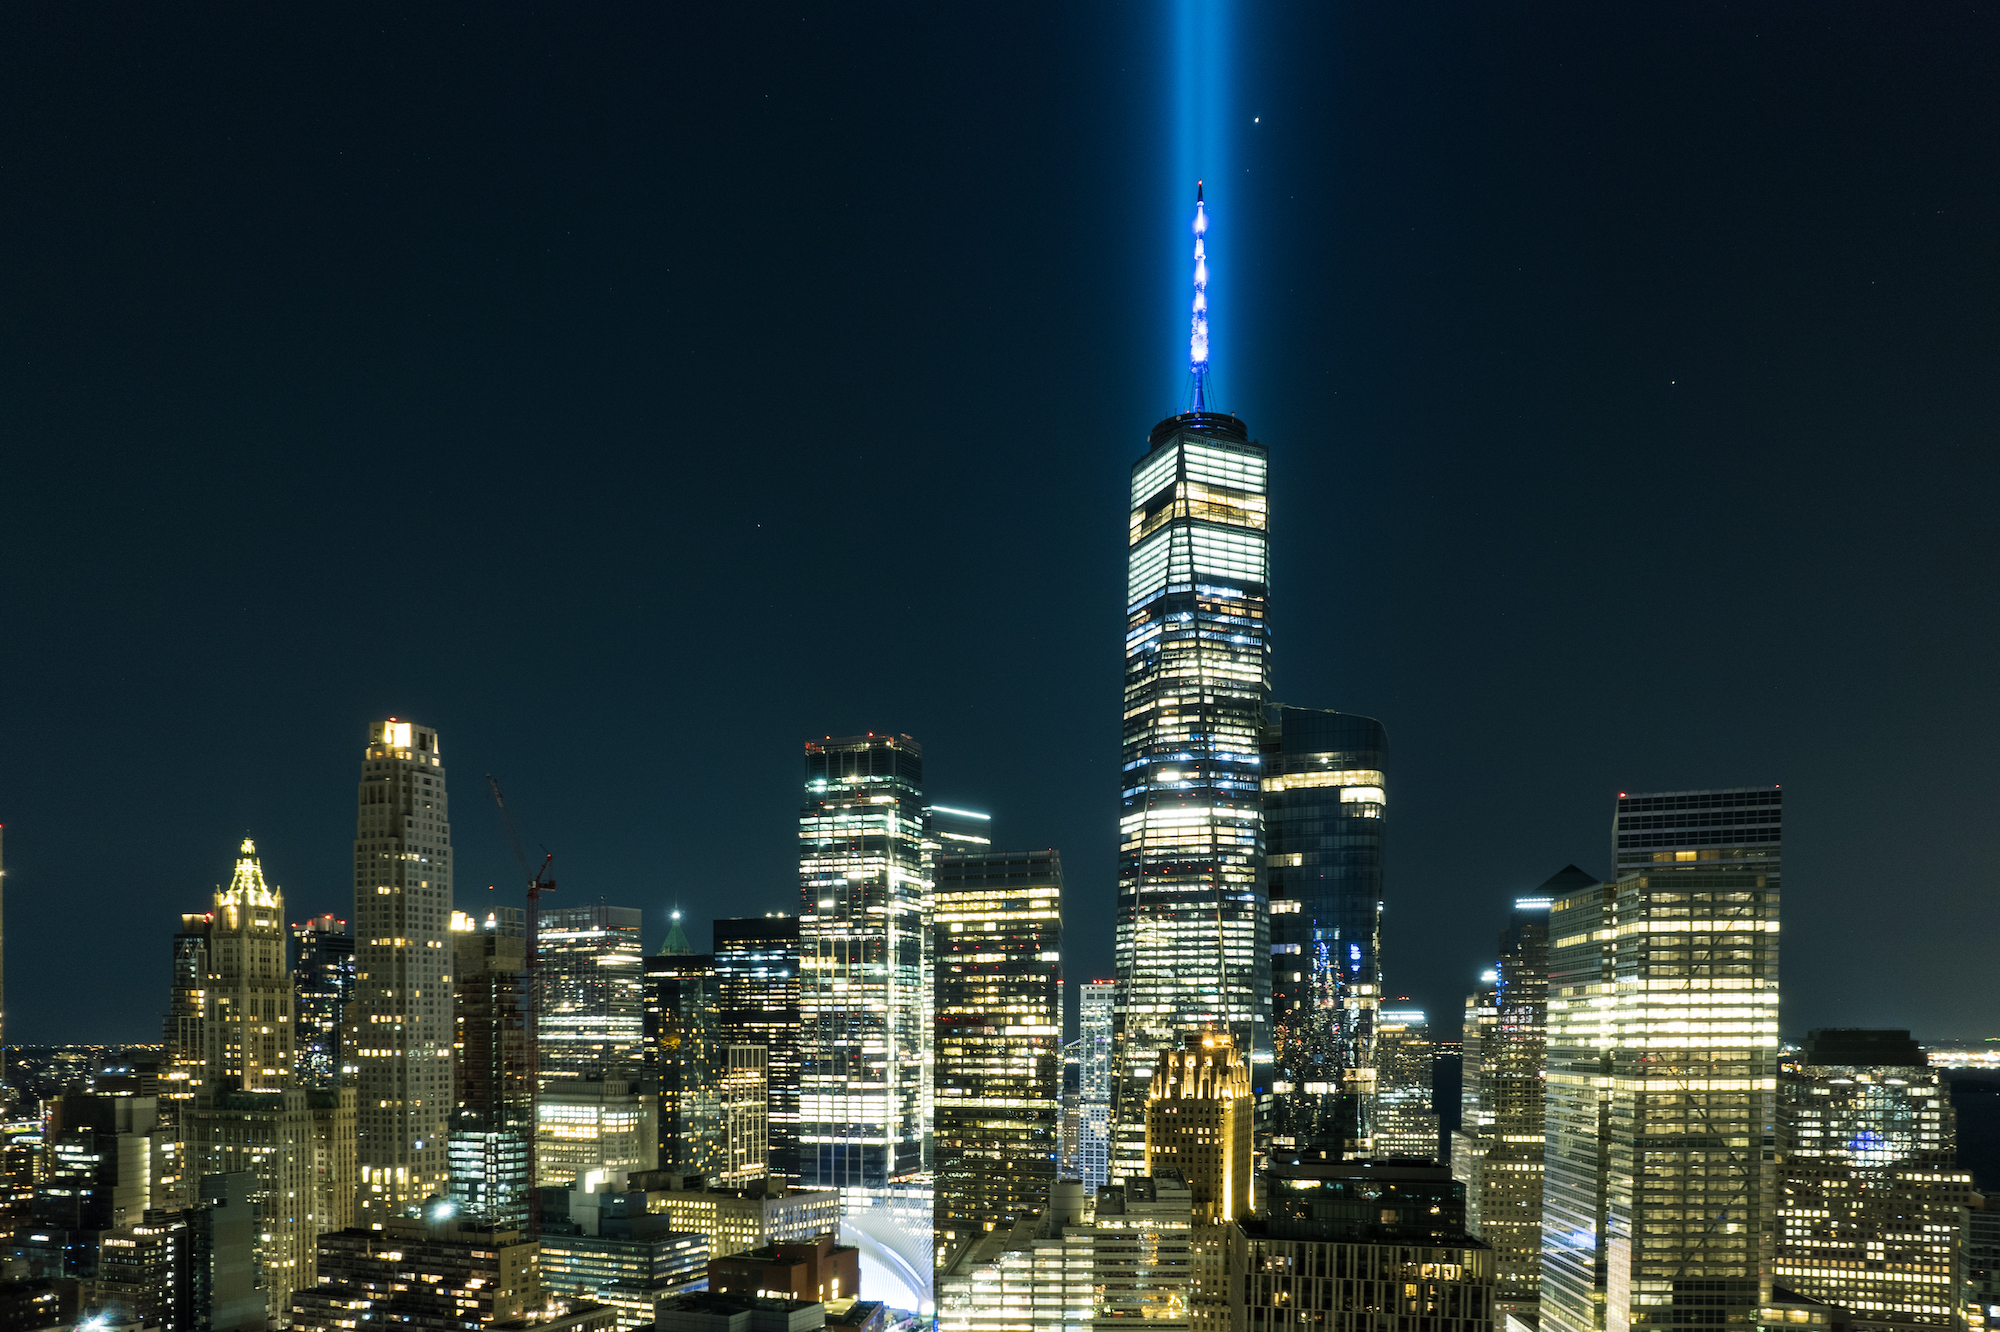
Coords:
pixel 1538 617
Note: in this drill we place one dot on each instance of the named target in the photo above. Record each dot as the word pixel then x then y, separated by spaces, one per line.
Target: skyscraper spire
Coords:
pixel 1198 336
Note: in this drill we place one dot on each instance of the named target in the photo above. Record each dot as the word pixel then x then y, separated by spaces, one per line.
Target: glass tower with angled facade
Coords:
pixel 1660 1109
pixel 1325 821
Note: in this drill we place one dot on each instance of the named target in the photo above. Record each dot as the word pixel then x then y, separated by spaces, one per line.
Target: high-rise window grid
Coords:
pixel 1190 942
pixel 997 928
pixel 401 1014
pixel 1325 824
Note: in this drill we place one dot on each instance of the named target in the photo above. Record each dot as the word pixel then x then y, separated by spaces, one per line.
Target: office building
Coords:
pixel 1325 819
pixel 1982 1267
pixel 591 973
pixel 820 1268
pixel 1871 1205
pixel 297 1147
pixel 322 985
pixel 248 1117
pixel 192 1269
pixel 862 886
pixel 864 1030
pixel 491 1143
pixel 602 1125
pixel 757 986
pixel 1124 1255
pixel 247 1029
pixel 1097 1005
pixel 604 1246
pixel 1355 1246
pixel 735 1219
pixel 1191 935
pixel 712 1092
pixel 99 1163
pixel 1404 1120
pixel 1662 1070
pixel 185 1050
pixel 1198 1124
pixel 1497 1153
pixel 997 928
pixel 442 1276
pixel 402 1005
pixel 1474 1135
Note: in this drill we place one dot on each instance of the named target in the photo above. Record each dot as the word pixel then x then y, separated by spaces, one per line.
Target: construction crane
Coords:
pixel 539 880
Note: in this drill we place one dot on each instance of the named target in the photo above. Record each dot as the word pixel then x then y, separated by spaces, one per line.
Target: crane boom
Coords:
pixel 539 881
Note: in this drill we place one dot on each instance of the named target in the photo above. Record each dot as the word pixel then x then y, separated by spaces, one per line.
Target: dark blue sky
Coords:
pixel 633 393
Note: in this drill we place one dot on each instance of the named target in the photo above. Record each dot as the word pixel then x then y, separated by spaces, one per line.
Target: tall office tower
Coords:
pixel 491 1142
pixel 757 985
pixel 1405 1120
pixel 596 1126
pixel 401 1016
pixel 247 1029
pixel 592 978
pixel 1503 1097
pixel 947 831
pixel 713 1121
pixel 999 1003
pixel 322 985
pixel 1097 1005
pixel 1473 1137
pixel 1198 1124
pixel 864 1041
pixel 1871 1205
pixel 1325 801
pixel 1662 1070
pixel 185 1058
pixel 1362 1245
pixel 1192 938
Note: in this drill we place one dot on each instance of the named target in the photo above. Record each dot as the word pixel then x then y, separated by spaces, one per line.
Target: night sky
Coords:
pixel 634 392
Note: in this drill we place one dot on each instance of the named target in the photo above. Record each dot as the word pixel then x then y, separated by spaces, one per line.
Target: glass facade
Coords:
pixel 1405 1120
pixel 1191 940
pixel 999 1013
pixel 685 1060
pixel 401 1012
pixel 1662 1070
pixel 591 977
pixel 864 1044
pixel 322 985
pixel 1871 1202
pixel 1503 1095
pixel 1325 821
pixel 757 985
pixel 493 1120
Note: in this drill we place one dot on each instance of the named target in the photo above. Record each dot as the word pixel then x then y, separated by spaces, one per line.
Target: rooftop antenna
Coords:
pixel 1198 333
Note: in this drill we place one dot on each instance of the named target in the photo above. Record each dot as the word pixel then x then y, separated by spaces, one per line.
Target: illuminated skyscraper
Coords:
pixel 248 1029
pixel 999 1006
pixel 864 1043
pixel 1198 1113
pixel 401 1015
pixel 1325 808
pixel 1498 1152
pixel 1405 1120
pixel 757 986
pixel 1657 1205
pixel 592 978
pixel 1097 1004
pixel 322 985
pixel 705 1080
pixel 248 1114
pixel 1192 935
pixel 493 1117
pixel 1871 1203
